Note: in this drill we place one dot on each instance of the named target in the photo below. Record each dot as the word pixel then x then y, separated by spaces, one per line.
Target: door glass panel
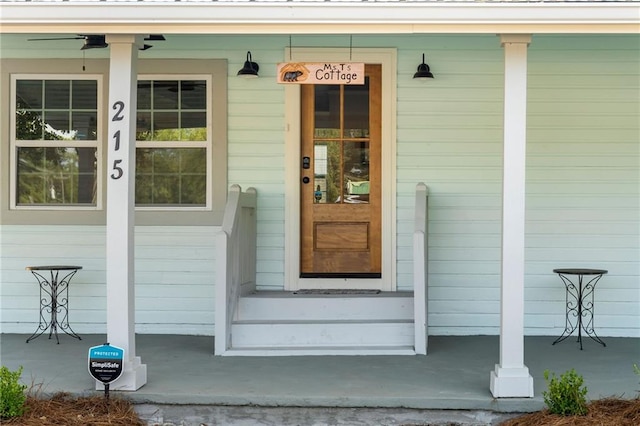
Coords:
pixel 326 172
pixel 356 172
pixel 327 111
pixel 356 111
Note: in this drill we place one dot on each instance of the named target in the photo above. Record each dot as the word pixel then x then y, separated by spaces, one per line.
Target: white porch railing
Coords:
pixel 420 268
pixel 235 261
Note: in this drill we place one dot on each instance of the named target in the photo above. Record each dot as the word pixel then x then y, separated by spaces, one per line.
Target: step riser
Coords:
pixel 320 309
pixel 324 351
pixel 390 334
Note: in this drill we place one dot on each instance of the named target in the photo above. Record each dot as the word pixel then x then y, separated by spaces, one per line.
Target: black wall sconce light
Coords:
pixel 423 71
pixel 250 69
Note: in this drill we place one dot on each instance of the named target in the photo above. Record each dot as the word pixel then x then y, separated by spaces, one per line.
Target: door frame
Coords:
pixel 387 57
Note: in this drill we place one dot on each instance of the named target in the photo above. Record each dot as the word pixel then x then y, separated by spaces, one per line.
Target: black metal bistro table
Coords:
pixel 579 302
pixel 54 299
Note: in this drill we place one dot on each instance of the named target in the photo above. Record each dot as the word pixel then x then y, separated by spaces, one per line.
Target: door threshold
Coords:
pixel 335 291
pixel 350 275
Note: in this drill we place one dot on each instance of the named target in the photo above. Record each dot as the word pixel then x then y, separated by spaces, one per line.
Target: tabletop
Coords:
pixel 53 268
pixel 580 271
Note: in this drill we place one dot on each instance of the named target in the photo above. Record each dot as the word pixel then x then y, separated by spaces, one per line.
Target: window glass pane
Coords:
pixel 326 170
pixel 327 111
pixel 57 125
pixel 193 94
pixel 29 94
pixel 144 94
pixel 59 120
pixel 56 94
pixel 165 125
pixel 29 125
pixel 356 110
pixel 160 119
pixel 194 126
pixel 84 94
pixel 171 177
pixel 356 172
pixel 165 94
pixel 84 125
pixel 143 126
pixel 62 175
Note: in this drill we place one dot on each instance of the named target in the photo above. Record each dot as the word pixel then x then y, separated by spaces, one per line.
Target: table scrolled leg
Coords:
pixel 571 312
pixel 63 306
pixel 46 305
pixel 588 307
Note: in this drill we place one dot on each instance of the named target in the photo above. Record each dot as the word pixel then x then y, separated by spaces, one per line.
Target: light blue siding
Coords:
pixel 583 186
pixel 174 275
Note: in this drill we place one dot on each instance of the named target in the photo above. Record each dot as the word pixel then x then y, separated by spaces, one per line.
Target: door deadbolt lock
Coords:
pixel 306 179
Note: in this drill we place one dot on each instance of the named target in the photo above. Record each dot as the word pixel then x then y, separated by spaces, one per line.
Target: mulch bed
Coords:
pixel 602 412
pixel 63 409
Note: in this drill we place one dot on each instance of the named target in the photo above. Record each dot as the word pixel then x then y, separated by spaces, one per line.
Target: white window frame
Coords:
pixel 14 144
pixel 207 144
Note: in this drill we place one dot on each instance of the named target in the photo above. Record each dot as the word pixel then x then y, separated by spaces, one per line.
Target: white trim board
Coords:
pixel 388 58
pixel 312 17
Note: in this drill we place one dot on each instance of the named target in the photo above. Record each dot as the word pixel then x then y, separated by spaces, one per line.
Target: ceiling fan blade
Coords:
pixel 98 41
pixel 55 38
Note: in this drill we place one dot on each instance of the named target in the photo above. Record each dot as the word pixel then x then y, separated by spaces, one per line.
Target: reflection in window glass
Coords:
pixel 356 110
pixel 356 172
pixel 326 170
pixel 57 94
pixel 341 147
pixel 172 110
pixel 170 113
pixel 60 111
pixel 84 94
pixel 327 111
pixel 56 176
pixel 174 177
pixel 45 110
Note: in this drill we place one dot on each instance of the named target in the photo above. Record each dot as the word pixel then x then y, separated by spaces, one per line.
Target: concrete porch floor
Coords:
pixel 453 376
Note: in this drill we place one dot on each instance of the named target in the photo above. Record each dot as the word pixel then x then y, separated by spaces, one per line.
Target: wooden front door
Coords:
pixel 341 179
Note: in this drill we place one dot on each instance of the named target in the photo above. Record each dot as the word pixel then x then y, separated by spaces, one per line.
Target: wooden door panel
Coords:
pixel 341 196
pixel 346 236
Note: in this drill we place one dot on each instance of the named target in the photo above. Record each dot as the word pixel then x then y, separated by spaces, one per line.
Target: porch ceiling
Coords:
pixel 280 17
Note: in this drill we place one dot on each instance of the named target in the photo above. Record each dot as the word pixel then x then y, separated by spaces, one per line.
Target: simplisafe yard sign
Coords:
pixel 105 363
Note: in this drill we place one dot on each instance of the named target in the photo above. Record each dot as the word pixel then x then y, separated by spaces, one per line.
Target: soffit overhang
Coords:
pixel 148 17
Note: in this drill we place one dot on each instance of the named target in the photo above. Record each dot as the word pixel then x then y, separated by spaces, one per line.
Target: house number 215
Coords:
pixel 118 107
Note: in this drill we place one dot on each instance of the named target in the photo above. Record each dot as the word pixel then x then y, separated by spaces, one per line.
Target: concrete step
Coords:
pixel 322 351
pixel 324 333
pixel 287 306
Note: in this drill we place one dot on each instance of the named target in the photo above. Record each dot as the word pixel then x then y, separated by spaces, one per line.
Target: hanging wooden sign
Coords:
pixel 346 73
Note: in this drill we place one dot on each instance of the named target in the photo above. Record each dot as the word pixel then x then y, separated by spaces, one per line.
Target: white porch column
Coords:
pixel 123 76
pixel 511 377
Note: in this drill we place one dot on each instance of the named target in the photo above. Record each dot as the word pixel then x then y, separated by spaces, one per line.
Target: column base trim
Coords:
pixel 511 382
pixel 133 377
